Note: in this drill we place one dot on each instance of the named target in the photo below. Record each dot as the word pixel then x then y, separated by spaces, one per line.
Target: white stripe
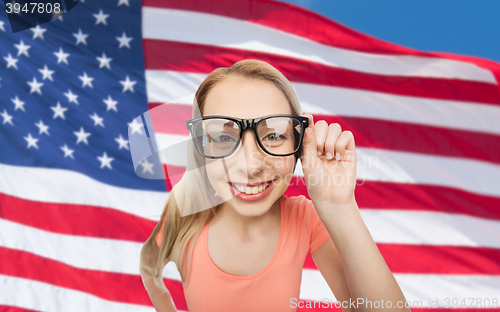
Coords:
pixel 416 287
pixel 119 256
pixel 431 228
pixel 168 86
pixel 217 30
pixel 70 187
pixel 399 167
pixel 78 251
pixel 38 296
pixel 30 294
pixel 122 257
pixel 386 226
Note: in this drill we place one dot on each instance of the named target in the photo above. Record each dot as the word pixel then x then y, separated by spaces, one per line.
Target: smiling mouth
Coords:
pixel 252 190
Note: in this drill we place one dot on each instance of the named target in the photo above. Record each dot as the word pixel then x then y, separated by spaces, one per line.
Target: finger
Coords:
pixel 345 141
pixel 309 150
pixel 311 120
pixel 334 131
pixel 321 130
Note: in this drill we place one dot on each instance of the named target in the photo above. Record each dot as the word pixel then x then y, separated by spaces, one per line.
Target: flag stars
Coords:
pixel 105 160
pixel 42 127
pixel 35 86
pixel 38 32
pixel 6 117
pixel 120 2
pixel 128 84
pixel 87 81
pixel 58 16
pixel 31 141
pixel 146 166
pixel 134 127
pixel 58 111
pixel 67 151
pixel 47 74
pixel 61 56
pixel 82 136
pixel 72 98
pixel 124 41
pixel 101 17
pixel 104 61
pixel 81 37
pixel 18 104
pixel 1 26
pixel 122 142
pixel 22 48
pixel 111 104
pixel 11 62
pixel 97 120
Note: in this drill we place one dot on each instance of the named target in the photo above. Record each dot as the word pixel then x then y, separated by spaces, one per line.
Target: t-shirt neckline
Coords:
pixel 261 272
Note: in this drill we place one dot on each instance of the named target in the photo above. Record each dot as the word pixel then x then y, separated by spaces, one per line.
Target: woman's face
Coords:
pixel 248 98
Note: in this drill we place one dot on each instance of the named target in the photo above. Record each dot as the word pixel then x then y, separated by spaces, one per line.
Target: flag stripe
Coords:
pixel 203 59
pixel 370 133
pixel 286 17
pixel 442 231
pixel 168 86
pixel 65 187
pixel 418 287
pixel 47 298
pixel 76 219
pixel 415 197
pixel 162 24
pixel 439 259
pixel 128 287
pixel 402 167
pixel 391 195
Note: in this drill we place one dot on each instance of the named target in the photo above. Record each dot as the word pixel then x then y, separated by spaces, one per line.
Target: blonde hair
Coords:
pixel 178 231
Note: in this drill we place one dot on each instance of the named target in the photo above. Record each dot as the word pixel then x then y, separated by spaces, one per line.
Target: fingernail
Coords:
pixel 319 153
pixel 329 155
pixel 337 156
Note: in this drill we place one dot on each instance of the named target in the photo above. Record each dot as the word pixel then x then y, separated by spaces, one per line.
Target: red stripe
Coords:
pixel 407 196
pixel 118 287
pixel 108 223
pixel 370 133
pixel 71 219
pixel 313 26
pixel 329 305
pixel 286 17
pixel 424 259
pixel 6 308
pixel 198 58
pixel 415 197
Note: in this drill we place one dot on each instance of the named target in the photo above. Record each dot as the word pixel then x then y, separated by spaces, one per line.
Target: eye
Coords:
pixel 275 137
pixel 223 138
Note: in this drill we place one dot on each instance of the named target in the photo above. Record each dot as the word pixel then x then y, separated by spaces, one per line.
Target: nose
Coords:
pixel 254 155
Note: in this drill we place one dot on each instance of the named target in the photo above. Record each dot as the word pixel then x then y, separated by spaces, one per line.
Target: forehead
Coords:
pixel 245 98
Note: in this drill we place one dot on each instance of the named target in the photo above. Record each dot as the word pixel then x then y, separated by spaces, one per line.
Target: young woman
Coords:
pixel 246 252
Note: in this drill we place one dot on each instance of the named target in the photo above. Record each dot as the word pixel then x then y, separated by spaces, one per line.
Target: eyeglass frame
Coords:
pixel 244 124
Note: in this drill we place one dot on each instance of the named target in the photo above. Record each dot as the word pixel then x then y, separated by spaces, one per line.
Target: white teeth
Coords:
pixel 251 190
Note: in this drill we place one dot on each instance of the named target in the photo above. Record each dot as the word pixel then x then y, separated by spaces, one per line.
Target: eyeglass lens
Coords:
pixel 217 137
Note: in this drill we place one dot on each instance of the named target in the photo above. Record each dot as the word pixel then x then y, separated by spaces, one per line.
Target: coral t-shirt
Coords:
pixel 209 289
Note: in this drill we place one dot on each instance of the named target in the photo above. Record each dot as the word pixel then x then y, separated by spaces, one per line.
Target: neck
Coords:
pixel 247 227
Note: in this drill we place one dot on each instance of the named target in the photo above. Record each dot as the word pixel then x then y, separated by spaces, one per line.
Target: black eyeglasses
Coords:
pixel 219 136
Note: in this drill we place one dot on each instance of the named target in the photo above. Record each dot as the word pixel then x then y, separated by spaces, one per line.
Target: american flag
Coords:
pixel 74 214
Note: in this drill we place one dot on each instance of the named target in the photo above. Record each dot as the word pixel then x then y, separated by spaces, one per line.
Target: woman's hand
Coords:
pixel 329 180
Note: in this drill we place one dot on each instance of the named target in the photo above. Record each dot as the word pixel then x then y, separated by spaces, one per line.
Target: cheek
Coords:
pixel 284 166
pixel 215 170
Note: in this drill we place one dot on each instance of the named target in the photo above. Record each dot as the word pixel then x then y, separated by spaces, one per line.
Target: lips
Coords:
pixel 252 197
